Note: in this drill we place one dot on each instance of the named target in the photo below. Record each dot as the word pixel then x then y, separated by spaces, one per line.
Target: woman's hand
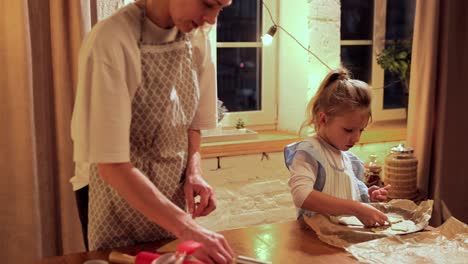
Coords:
pixel 215 247
pixel 195 186
pixel 378 194
pixel 369 215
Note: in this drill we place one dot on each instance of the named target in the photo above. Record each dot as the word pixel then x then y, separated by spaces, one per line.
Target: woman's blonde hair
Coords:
pixel 336 95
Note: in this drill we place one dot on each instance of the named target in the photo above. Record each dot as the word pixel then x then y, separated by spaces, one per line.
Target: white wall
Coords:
pixel 315 24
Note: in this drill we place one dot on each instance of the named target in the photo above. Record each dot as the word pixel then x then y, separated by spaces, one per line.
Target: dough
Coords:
pixel 396 224
pixel 348 220
pixel 393 221
pixel 394 218
pixel 401 227
pixel 404 226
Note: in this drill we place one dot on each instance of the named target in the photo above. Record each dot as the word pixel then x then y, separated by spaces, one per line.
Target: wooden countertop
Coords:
pixel 278 243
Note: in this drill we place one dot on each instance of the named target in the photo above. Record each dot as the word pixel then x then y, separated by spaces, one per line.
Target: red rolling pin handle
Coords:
pixel 188 247
pixel 144 257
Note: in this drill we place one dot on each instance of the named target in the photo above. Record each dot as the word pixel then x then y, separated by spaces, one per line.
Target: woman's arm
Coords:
pixel 143 195
pixel 195 185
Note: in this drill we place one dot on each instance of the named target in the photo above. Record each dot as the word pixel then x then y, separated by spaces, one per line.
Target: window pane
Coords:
pixel 358 60
pixel 241 22
pixel 396 61
pixel 356 19
pixel 399 33
pixel 400 19
pixel 239 78
pixel 394 95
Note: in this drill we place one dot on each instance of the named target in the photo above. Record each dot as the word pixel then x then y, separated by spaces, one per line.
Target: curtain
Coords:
pixel 437 125
pixel 38 50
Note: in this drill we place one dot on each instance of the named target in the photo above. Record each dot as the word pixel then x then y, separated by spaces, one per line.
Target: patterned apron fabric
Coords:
pixel 162 110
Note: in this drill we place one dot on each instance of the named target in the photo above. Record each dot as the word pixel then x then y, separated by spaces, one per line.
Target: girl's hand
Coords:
pixel 378 194
pixel 369 215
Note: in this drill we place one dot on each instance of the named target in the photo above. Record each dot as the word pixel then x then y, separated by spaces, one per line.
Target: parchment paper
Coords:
pixel 446 244
pixel 343 236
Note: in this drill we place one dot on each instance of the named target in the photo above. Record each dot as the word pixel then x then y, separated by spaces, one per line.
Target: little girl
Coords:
pixel 325 176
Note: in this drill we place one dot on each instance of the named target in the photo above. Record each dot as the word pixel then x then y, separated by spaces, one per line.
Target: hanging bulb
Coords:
pixel 267 39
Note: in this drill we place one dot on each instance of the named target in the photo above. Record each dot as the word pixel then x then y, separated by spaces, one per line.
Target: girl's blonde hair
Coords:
pixel 336 95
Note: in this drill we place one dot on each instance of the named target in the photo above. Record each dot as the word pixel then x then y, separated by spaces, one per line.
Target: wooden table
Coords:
pixel 279 243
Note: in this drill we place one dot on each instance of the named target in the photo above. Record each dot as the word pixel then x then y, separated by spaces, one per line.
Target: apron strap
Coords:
pixel 142 21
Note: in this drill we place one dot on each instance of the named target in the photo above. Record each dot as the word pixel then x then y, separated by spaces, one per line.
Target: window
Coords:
pixel 367 27
pixel 245 69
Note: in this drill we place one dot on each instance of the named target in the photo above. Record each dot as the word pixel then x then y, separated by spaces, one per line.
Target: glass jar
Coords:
pixel 401 167
pixel 372 172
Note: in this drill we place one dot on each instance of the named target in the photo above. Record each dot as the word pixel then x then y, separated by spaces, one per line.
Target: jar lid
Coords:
pixel 401 149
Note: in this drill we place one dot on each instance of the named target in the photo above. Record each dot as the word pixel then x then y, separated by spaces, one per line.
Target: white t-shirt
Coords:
pixel 109 73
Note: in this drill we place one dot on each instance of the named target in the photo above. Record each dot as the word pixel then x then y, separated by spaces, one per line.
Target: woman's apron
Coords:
pixel 162 110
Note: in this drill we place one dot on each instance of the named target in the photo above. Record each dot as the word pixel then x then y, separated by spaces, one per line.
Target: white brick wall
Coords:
pixel 252 191
pixel 315 24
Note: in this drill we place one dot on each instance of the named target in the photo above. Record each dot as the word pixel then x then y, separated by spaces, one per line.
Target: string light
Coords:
pixel 267 39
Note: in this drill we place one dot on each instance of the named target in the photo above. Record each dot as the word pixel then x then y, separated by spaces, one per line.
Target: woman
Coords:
pixel 146 87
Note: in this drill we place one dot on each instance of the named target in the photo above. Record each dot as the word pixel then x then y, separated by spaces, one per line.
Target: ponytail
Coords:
pixel 337 94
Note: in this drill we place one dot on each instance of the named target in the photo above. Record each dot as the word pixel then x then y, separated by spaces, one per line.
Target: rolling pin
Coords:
pixel 140 258
pixel 144 257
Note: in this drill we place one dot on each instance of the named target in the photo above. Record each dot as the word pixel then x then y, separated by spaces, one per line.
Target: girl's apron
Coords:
pixel 162 110
pixel 340 180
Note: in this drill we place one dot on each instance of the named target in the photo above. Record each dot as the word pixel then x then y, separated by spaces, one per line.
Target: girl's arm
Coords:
pixel 326 204
pixel 303 176
pixel 142 194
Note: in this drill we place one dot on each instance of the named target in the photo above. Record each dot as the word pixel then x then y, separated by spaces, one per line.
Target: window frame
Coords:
pixel 266 117
pixel 377 73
